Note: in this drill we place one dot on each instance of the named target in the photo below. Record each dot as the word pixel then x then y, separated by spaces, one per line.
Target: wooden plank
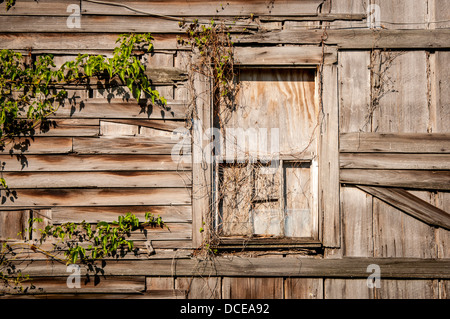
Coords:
pixel 75 42
pixel 443 235
pixel 123 145
pixel 100 197
pixel 395 143
pixel 441 91
pixel 13 224
pixel 252 288
pixel 395 161
pixel 230 8
pixel 70 127
pixel 420 179
pixel 408 289
pixel 85 163
pixel 107 24
pixel 303 288
pixel 95 214
pixel 118 109
pixel 403 98
pixel 413 268
pixel 88 285
pixel 354 91
pixel 403 14
pixel 357 224
pixel 125 179
pixel 39 145
pixel 347 289
pixel 200 288
pixel 305 55
pixel 354 39
pixel 411 205
pixel 329 160
pixel 41 8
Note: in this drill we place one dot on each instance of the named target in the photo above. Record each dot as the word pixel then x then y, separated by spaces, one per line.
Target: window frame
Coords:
pixel 324 60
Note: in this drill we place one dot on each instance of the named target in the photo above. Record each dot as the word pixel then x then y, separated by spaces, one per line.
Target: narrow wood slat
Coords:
pixel 39 145
pixel 410 204
pixel 355 39
pixel 75 42
pixel 99 162
pixel 178 214
pixel 264 267
pixel 308 55
pixel 420 179
pixel 395 143
pixel 395 161
pixel 106 24
pixel 175 110
pixel 40 8
pixel 100 197
pixel 19 180
pixel 198 8
pixel 124 145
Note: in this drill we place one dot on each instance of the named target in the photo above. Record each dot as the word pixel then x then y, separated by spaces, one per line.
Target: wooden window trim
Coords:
pixel 329 232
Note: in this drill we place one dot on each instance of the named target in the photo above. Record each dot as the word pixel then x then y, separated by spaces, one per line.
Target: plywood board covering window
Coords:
pixel 266 174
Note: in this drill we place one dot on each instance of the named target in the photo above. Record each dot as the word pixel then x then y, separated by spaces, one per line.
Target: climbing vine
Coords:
pixel 81 243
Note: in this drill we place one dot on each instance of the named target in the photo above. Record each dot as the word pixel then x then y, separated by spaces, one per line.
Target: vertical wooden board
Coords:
pixel 252 288
pixel 403 100
pixel 162 60
pixel 299 205
pixel 441 91
pixel 403 14
pixel 347 289
pixel 354 91
pixel 348 7
pixel 407 289
pixel 201 167
pixel 444 289
pixel 13 224
pixel 356 209
pixel 443 235
pixel 329 160
pixel 440 14
pixel 397 234
pixel 303 288
pixel 200 287
pixel 46 216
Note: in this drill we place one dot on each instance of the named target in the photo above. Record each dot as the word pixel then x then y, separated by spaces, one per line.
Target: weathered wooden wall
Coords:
pixel 387 89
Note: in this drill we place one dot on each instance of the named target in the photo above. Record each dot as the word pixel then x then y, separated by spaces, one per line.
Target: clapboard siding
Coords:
pixel 384 159
pixel 98 162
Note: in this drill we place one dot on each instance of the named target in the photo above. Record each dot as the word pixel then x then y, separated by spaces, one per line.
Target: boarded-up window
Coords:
pixel 266 176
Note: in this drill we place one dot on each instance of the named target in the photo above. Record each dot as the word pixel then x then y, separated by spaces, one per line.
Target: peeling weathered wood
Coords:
pixel 411 205
pixel 420 179
pixel 39 145
pixel 395 143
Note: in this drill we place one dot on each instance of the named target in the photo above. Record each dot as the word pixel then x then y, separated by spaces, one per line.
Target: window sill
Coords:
pixel 267 243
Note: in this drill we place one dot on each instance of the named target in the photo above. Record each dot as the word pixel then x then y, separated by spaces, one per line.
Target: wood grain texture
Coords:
pixel 395 143
pixel 303 288
pixel 252 288
pixel 420 179
pixel 100 197
pixel 394 161
pixel 411 204
pixel 193 9
pixel 416 268
pixel 98 162
pixel 123 179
